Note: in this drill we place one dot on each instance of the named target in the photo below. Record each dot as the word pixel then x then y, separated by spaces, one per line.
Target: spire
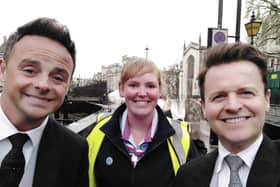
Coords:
pixel 184 48
pixel 147 51
pixel 199 40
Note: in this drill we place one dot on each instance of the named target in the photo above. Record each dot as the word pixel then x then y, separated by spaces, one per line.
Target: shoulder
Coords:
pixel 190 173
pixel 277 144
pixel 268 149
pixel 200 163
pixel 96 124
pixel 62 134
pixel 181 127
pixel 270 145
pixel 196 163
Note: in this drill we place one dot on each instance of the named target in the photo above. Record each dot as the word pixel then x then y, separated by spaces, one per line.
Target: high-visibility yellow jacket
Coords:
pixel 178 144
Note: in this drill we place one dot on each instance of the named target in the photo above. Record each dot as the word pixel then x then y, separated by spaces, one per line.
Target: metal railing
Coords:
pixel 274 110
pixel 273 116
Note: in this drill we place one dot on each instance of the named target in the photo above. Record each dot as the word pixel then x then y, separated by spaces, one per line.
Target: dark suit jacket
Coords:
pixel 62 159
pixel 265 171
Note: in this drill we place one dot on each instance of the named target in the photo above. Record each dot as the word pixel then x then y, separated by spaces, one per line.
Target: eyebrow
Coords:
pixel 30 61
pixel 27 61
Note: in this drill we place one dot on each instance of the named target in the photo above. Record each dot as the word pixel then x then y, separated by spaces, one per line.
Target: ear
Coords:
pixel 121 90
pixel 202 104
pixel 3 68
pixel 267 99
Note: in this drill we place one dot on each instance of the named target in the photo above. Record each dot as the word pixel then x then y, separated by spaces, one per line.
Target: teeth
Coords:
pixel 235 120
pixel 39 99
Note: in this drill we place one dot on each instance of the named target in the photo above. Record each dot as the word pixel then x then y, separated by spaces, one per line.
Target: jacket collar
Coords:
pixel 113 132
pixel 266 165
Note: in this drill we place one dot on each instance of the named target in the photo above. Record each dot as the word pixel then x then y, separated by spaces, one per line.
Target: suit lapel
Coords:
pixel 207 169
pixel 265 167
pixel 48 158
pixel 201 170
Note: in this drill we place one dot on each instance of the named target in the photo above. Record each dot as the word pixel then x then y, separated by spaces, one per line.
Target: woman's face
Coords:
pixel 141 94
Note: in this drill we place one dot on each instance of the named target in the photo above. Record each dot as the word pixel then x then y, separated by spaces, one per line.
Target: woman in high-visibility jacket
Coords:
pixel 138 146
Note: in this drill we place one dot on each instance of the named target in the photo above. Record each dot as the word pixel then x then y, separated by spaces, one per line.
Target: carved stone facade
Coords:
pixel 170 78
pixel 191 64
pixel 111 74
pixel 189 96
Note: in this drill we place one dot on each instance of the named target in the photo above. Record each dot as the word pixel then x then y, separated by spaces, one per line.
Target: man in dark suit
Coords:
pixel 36 71
pixel 234 98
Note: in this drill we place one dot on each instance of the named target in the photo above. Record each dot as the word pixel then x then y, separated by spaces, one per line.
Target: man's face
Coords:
pixel 235 103
pixel 36 79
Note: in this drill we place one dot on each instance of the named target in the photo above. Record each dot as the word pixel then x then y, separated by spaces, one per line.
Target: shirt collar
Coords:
pixel 247 155
pixel 7 129
pixel 126 135
pixel 36 133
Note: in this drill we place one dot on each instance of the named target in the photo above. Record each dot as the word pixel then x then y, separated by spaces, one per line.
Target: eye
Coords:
pixel 30 71
pixel 59 78
pixel 247 93
pixel 152 86
pixel 218 98
pixel 132 85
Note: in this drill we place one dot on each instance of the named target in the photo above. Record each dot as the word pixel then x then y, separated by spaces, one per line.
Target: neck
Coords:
pixel 25 126
pixel 139 122
pixel 138 128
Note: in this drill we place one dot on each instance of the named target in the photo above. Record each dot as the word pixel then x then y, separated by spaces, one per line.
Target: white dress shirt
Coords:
pixel 30 148
pixel 221 174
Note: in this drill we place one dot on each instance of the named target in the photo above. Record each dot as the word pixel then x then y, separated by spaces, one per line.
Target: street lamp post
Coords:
pixel 147 50
pixel 253 27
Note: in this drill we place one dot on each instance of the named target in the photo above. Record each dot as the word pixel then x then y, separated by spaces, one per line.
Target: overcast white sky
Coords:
pixel 105 30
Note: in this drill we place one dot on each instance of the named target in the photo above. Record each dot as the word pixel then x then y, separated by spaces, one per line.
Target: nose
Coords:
pixel 233 103
pixel 142 91
pixel 42 83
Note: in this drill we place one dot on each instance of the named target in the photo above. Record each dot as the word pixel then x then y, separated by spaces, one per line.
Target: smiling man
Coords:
pixel 36 72
pixel 235 98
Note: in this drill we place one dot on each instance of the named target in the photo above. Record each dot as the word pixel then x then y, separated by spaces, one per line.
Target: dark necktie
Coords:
pixel 234 163
pixel 12 167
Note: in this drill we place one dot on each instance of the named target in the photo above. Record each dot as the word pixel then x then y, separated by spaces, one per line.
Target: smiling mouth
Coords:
pixel 141 101
pixel 38 98
pixel 235 120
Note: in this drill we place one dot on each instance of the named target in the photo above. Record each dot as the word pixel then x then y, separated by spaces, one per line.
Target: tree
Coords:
pixel 268 11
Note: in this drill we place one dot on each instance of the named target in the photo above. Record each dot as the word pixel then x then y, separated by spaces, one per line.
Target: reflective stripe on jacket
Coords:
pixel 178 145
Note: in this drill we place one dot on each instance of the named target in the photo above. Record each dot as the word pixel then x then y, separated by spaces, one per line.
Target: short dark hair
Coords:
pixel 46 27
pixel 226 53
